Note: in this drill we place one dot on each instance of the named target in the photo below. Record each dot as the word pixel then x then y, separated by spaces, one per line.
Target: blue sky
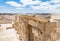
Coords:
pixel 29 6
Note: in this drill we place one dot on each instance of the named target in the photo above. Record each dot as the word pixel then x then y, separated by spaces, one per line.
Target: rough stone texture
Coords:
pixel 30 30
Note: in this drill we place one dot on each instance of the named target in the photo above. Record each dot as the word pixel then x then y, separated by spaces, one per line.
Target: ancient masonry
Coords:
pixel 31 28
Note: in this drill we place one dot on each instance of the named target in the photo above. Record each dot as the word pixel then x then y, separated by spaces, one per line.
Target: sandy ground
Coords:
pixel 8 35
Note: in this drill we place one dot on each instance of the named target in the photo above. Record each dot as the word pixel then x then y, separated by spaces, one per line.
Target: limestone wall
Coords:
pixel 30 30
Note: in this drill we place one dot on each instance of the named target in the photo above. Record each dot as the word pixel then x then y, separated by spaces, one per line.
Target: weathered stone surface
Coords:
pixel 30 30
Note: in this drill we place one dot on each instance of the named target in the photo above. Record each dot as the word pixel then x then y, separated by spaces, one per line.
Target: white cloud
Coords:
pixel 55 1
pixel 57 5
pixel 15 4
pixel 19 8
pixel 30 2
pixel 46 5
pixel 42 5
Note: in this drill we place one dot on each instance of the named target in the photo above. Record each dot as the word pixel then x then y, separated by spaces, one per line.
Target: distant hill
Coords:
pixel 7 13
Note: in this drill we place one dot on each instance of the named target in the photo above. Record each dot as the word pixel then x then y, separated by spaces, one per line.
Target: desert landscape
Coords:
pixel 29 27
